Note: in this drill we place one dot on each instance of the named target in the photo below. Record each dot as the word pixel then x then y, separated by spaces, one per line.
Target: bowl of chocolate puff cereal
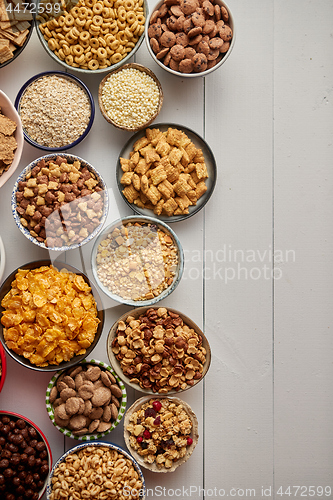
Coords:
pixel 59 202
pixel 25 458
pixel 190 38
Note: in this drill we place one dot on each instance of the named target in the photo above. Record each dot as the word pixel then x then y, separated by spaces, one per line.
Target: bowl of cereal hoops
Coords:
pixel 190 38
pixel 166 171
pixel 26 458
pixel 130 97
pixel 137 261
pixel 106 471
pixel 158 350
pixel 16 28
pixel 95 36
pixel 56 109
pixel 51 316
pixel 60 202
pixel 86 401
pixel 160 432
pixel 11 138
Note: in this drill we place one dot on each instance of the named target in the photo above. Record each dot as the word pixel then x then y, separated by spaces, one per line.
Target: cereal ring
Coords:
pixel 61 21
pixel 118 3
pixel 94 43
pixel 75 11
pixel 98 8
pixel 97 20
pixel 85 44
pixel 116 58
pixel 115 45
pixel 69 59
pixel 61 54
pixel 83 12
pixel 121 24
pixel 66 49
pixel 121 14
pixel 75 33
pixel 134 26
pixel 102 42
pixel 128 33
pixel 77 50
pixel 101 53
pixel 121 36
pixel 108 3
pixel 80 22
pixel 114 28
pixel 84 36
pixel 47 32
pixel 69 20
pixel 88 56
pixel 141 19
pixel 52 44
pixel 129 5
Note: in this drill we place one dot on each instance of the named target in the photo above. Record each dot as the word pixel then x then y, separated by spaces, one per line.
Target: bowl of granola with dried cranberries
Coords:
pixel 160 432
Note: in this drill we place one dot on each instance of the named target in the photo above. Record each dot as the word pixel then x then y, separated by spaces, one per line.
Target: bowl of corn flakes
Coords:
pixel 160 432
pixel 87 401
pixel 51 315
pixel 123 477
pixel 178 357
pixel 137 260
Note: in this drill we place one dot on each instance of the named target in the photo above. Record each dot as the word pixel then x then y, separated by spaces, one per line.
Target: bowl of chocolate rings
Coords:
pixel 87 401
pixel 59 202
pixel 137 260
pixel 51 316
pixel 106 471
pixel 158 350
pixel 95 36
pixel 25 458
pixel 56 109
pixel 190 38
pixel 160 432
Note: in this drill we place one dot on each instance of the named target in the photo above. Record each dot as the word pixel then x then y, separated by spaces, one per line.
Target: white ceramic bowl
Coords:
pixel 142 268
pixel 159 61
pixel 8 109
pixel 89 436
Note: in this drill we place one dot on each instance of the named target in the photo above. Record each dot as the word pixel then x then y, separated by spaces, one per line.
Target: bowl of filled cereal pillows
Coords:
pixel 95 36
pixel 60 315
pixel 188 38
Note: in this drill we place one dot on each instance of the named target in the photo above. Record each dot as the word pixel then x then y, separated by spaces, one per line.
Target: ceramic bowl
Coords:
pixel 90 449
pixel 137 436
pixel 110 65
pixel 181 365
pixel 6 287
pixel 72 79
pixel 150 285
pixel 3 367
pixel 195 73
pixel 8 109
pixel 42 451
pixel 210 181
pixel 54 220
pixel 54 389
pixel 139 103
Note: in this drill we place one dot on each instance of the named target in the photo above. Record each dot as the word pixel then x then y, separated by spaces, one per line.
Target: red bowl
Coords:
pixel 42 436
pixel 3 365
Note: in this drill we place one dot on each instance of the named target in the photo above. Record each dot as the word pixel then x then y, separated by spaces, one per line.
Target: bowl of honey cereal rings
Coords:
pixel 106 471
pixel 160 432
pixel 190 38
pixel 137 261
pixel 51 315
pixel 91 36
pixel 130 97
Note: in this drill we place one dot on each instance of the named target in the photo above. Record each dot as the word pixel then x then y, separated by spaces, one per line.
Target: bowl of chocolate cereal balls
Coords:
pixel 137 261
pixel 190 38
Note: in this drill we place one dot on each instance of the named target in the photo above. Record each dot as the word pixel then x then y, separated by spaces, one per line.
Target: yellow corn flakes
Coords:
pixel 49 316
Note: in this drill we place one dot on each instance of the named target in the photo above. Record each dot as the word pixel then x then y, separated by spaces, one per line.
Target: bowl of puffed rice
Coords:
pixel 130 97
pixel 120 478
pixel 95 37
pixel 160 432
pixel 137 261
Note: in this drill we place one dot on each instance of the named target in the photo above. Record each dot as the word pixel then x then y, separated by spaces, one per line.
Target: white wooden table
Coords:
pixel 258 271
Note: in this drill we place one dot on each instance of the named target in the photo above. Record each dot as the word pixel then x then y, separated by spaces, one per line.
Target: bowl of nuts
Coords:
pixel 160 432
pixel 11 138
pixel 158 350
pixel 60 202
pixel 3 366
pixel 87 401
pixel 137 260
pixel 51 315
pixel 130 97
pixel 123 477
pixel 56 109
pixel 166 171
pixel 25 459
pixel 189 38
pixel 94 37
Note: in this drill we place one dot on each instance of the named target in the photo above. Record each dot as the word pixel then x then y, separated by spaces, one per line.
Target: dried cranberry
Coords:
pixel 157 420
pixel 150 412
pixel 189 441
pixel 157 405
pixel 139 439
pixel 146 434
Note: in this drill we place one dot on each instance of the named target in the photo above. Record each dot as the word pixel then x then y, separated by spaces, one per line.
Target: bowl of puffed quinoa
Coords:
pixel 137 260
pixel 189 38
pixel 160 432
pixel 92 36
pixel 57 110
pixel 130 97
pixel 98 469
pixel 60 202
pixel 158 350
